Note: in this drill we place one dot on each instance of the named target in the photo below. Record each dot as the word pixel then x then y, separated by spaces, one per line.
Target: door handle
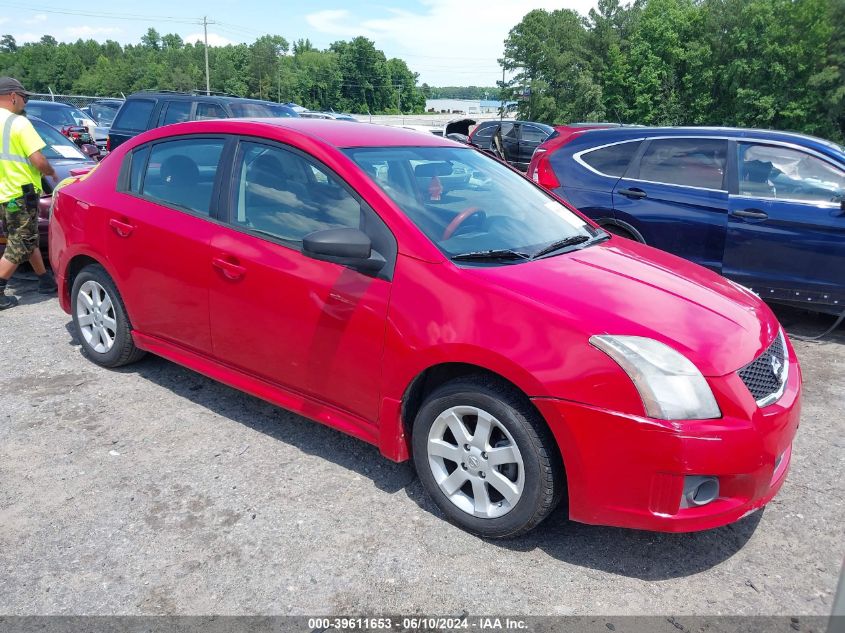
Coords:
pixel 229 269
pixel 123 229
pixel 634 194
pixel 751 214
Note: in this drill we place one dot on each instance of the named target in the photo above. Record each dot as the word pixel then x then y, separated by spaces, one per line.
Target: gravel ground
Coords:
pixel 153 490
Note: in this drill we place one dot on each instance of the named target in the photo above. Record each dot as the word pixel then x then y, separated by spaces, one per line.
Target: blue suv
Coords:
pixel 764 208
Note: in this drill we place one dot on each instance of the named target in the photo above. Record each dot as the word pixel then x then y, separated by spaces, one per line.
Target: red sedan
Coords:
pixel 510 347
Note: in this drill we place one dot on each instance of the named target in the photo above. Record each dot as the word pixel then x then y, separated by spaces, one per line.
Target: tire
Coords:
pixel 490 500
pixel 100 319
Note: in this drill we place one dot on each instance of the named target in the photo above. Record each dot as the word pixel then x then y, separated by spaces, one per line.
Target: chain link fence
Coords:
pixel 78 101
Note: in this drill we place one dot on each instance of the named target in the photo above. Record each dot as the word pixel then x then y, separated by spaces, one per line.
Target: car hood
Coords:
pixel 621 287
pixel 64 165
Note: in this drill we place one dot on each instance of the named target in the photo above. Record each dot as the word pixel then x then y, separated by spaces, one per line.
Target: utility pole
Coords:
pixel 502 93
pixel 205 24
pixel 400 104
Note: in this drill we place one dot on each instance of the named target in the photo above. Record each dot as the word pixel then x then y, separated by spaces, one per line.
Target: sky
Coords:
pixel 448 42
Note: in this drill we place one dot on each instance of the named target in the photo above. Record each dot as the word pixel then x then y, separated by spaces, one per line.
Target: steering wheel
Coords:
pixel 460 219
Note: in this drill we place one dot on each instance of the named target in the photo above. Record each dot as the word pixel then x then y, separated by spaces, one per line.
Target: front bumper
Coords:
pixel 628 471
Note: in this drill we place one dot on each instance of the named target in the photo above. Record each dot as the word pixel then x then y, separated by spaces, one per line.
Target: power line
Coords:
pixel 94 14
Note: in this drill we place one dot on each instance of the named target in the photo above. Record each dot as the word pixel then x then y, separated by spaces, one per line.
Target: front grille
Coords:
pixel 766 375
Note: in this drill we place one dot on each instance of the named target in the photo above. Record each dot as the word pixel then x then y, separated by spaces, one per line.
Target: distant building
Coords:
pixel 463 106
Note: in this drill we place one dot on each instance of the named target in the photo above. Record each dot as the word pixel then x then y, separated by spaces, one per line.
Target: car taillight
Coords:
pixel 543 174
pixel 108 143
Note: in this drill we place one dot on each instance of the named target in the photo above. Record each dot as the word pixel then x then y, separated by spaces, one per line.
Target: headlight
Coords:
pixel 670 386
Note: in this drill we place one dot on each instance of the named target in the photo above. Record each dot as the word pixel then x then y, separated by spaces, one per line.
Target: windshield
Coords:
pixel 58 146
pixel 466 202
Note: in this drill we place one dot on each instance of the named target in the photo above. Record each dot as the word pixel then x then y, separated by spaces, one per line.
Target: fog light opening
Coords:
pixel 699 491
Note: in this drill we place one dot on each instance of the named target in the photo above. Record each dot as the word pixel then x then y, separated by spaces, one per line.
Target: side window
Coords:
pixel 771 171
pixel 279 192
pixel 136 171
pixel 181 173
pixel 509 131
pixel 207 110
pixel 690 162
pixel 485 131
pixel 134 115
pixel 532 134
pixel 612 160
pixel 175 112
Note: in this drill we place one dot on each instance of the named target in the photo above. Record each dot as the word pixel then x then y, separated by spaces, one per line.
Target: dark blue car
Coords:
pixel 760 207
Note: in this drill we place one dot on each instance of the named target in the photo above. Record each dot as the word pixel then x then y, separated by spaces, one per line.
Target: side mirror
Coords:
pixel 346 247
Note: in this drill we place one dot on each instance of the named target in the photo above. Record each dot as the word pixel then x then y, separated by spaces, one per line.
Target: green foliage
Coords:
pixel 349 76
pixel 758 63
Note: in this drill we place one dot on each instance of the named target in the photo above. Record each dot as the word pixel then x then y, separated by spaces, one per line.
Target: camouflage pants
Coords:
pixel 21 230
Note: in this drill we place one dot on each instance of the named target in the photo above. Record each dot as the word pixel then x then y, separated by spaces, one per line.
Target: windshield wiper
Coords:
pixel 502 253
pixel 573 240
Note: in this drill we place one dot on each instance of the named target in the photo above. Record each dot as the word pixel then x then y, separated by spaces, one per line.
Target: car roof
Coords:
pixel 337 133
pixel 612 134
pixel 56 104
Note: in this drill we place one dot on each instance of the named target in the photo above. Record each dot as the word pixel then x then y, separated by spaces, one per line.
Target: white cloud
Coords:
pixel 338 22
pixel 38 18
pixel 4 20
pixel 213 39
pixel 90 31
pixel 449 42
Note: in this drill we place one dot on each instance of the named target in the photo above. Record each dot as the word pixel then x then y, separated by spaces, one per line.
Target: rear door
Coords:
pixel 674 194
pixel 786 226
pixel 313 327
pixel 158 237
pixel 530 136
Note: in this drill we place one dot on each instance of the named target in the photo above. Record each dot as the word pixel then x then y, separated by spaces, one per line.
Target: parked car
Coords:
pixel 498 338
pixel 311 114
pixel 763 208
pixel 514 140
pixel 65 157
pixel 103 112
pixel 60 115
pixel 147 110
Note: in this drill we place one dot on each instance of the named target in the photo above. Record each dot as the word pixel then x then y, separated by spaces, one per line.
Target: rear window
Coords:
pixel 134 115
pixel 612 160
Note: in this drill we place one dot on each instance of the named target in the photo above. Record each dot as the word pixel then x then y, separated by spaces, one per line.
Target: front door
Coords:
pixel 673 193
pixel 786 225
pixel 313 327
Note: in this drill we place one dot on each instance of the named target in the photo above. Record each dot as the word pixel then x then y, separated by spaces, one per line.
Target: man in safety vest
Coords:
pixel 21 166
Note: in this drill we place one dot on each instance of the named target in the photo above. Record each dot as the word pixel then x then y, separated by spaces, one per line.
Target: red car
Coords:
pixel 510 347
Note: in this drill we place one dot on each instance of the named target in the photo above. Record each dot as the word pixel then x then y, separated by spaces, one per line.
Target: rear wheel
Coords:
pixel 486 457
pixel 100 320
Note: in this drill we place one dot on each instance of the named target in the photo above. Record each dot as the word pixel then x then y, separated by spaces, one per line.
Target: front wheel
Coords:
pixel 99 317
pixel 486 457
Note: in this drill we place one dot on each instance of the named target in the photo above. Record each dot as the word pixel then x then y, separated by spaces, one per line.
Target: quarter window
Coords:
pixel 134 116
pixel 690 162
pixel 181 173
pixel 281 193
pixel 771 171
pixel 612 160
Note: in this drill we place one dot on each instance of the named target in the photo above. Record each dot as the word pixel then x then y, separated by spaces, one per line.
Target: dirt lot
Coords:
pixel 155 490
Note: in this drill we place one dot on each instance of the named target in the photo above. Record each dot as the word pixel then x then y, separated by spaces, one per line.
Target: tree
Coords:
pixel 8 44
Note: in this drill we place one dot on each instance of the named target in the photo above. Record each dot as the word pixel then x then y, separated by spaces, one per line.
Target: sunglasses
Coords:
pixel 24 97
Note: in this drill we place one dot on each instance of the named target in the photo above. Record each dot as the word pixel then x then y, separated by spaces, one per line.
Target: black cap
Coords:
pixel 8 85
